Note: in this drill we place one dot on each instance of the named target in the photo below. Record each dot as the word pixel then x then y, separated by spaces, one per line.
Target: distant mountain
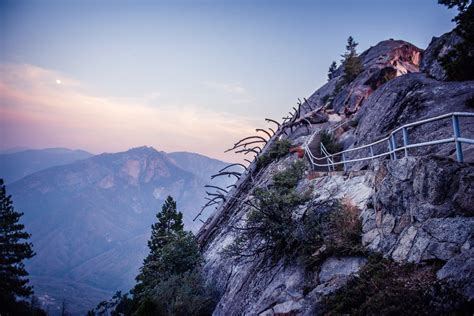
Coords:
pixel 15 165
pixel 13 150
pixel 90 219
pixel 203 167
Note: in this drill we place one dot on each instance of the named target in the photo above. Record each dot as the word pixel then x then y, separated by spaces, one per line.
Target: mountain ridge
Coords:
pixel 90 219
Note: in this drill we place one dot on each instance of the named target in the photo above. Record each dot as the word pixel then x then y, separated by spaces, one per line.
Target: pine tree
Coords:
pixel 459 62
pixel 351 61
pixel 168 227
pixel 170 281
pixel 14 248
pixel 332 70
pixel 170 222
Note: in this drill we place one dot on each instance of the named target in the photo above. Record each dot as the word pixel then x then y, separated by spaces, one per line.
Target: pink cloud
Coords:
pixel 35 111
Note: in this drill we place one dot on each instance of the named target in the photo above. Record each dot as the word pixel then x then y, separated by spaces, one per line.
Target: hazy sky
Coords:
pixel 178 75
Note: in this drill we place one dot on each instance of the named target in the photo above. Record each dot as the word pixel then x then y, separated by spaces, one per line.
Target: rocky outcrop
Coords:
pixel 411 98
pixel 422 211
pixel 383 62
pixel 262 287
pixel 439 47
pixel 415 209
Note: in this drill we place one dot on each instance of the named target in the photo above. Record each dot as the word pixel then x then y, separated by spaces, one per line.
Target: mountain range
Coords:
pixel 16 164
pixel 90 219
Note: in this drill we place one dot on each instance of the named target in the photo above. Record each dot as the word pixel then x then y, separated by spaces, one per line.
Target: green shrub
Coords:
pixel 330 142
pixel 271 227
pixel 288 179
pixel 183 294
pixel 388 288
pixel 343 233
pixel 339 233
pixel 354 122
pixel 279 149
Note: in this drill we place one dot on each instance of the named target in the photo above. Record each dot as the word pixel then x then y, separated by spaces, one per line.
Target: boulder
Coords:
pixel 381 63
pixel 411 98
pixel 438 47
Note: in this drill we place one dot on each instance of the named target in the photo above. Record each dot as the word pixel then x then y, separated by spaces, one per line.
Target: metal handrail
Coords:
pixel 393 149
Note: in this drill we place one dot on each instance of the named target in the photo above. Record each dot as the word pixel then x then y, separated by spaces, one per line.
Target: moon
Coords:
pixel 58 81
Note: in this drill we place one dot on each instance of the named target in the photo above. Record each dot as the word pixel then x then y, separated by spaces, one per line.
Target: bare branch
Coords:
pixel 250 137
pixel 246 151
pixel 215 187
pixel 264 131
pixel 233 164
pixel 227 173
pixel 273 121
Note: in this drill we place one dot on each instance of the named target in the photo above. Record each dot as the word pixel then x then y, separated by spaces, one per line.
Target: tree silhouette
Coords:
pixel 14 249
pixel 351 61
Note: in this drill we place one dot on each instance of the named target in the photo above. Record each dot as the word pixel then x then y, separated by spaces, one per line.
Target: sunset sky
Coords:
pixel 105 76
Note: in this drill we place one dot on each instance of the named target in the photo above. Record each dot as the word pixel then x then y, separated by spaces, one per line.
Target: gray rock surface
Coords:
pixel 415 209
pixel 459 271
pixel 410 98
pixel 438 47
pixel 415 217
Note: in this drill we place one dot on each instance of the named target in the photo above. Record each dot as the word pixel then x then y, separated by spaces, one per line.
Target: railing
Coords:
pixel 331 162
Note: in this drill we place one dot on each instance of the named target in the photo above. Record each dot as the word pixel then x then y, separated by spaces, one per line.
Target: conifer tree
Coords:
pixel 351 61
pixel 169 226
pixel 170 281
pixel 332 70
pixel 14 248
pixel 169 223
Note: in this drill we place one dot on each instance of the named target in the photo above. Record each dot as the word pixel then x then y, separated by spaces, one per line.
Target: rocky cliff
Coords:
pixel 414 210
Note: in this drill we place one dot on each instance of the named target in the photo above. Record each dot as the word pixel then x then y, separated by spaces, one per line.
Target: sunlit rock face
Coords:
pixel 381 63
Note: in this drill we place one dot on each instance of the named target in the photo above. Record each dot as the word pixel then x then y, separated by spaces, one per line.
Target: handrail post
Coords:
pixel 394 146
pixel 457 133
pixel 344 161
pixel 371 152
pixel 390 148
pixel 405 140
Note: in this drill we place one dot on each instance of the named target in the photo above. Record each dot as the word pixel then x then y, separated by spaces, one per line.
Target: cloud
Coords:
pixel 232 88
pixel 37 112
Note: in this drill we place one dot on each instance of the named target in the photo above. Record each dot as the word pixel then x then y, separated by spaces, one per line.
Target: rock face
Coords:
pixel 438 48
pixel 260 287
pixel 411 98
pixel 422 211
pixel 416 209
pixel 384 61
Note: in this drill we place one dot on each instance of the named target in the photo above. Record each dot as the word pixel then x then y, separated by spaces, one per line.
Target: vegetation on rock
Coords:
pixel 279 149
pixel 270 227
pixel 385 287
pixel 351 61
pixel 278 227
pixel 459 62
pixel 330 142
pixel 332 70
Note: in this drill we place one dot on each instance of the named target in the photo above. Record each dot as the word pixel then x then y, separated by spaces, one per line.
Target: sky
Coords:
pixel 105 76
